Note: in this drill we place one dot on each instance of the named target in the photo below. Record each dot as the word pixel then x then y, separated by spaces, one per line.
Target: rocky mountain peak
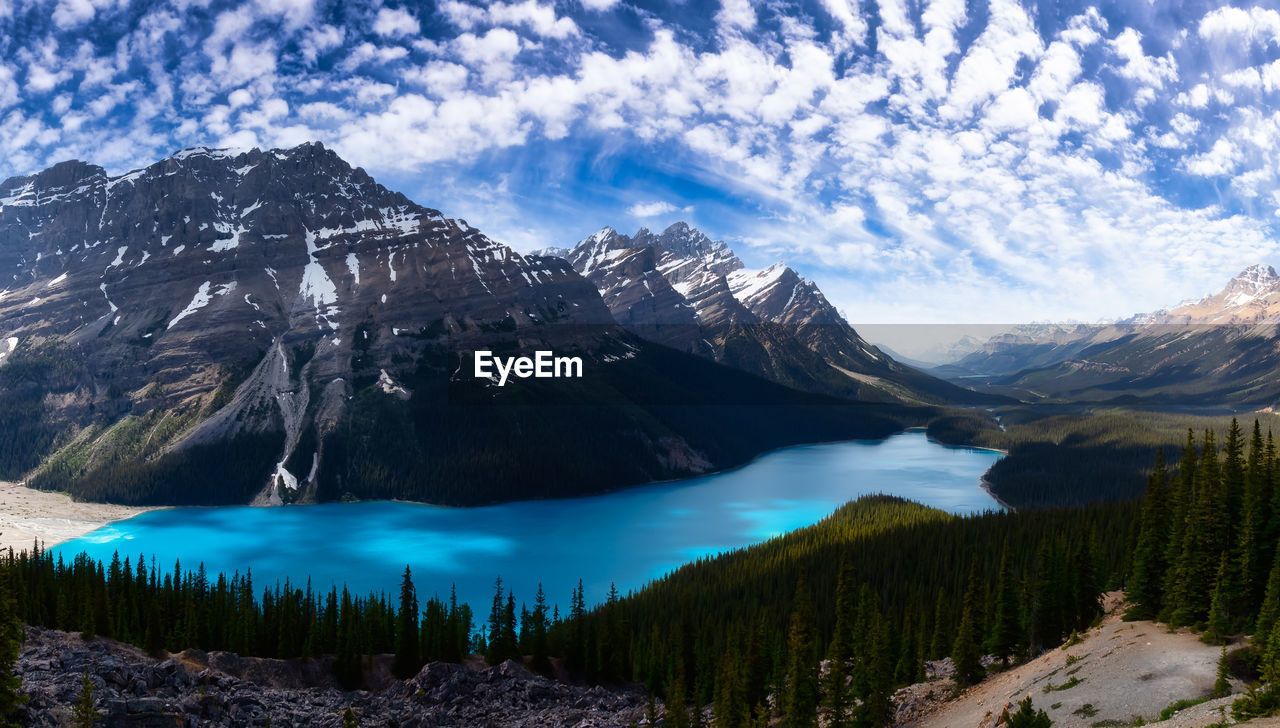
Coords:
pixel 1249 283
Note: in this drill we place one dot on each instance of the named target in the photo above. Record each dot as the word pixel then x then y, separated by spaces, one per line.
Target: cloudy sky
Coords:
pixel 952 161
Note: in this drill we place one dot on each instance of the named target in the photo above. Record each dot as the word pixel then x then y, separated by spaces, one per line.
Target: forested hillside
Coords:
pixel 1062 455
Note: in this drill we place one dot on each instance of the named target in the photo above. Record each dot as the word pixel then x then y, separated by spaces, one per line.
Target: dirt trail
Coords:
pixel 1120 672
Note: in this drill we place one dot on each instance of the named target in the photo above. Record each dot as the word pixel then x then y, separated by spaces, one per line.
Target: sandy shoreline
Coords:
pixel 28 515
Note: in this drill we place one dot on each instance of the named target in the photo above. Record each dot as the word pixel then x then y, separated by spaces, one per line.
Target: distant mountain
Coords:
pixel 1220 350
pixel 1251 297
pixel 682 289
pixel 225 326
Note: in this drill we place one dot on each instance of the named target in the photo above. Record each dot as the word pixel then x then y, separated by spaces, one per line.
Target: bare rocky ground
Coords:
pixel 134 690
pixel 1119 673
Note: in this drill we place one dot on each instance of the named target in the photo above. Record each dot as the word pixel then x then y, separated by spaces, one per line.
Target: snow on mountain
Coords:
pixel 213 266
pixel 683 289
pixel 1251 297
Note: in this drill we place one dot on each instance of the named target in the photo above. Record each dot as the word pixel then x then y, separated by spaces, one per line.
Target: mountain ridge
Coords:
pixel 682 289
pixel 283 306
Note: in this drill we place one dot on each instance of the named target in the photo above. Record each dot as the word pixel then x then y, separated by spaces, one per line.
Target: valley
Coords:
pixel 326 411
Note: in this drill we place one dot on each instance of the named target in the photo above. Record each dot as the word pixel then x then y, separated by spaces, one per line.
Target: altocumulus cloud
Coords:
pixel 927 160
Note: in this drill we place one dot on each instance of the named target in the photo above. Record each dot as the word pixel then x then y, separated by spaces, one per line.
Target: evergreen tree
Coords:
pixel 1006 628
pixel 1218 625
pixel 1026 716
pixel 835 691
pixel 876 709
pixel 349 719
pixel 12 635
pixel 964 653
pixel 800 697
pixel 941 640
pixel 84 714
pixel 575 652
pixel 539 646
pixel 497 617
pixel 1222 685
pixel 1182 494
pixel 407 661
pixel 1252 529
pixel 1270 610
pixel 1145 589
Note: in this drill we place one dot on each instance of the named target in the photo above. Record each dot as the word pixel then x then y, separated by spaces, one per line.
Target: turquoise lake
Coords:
pixel 628 537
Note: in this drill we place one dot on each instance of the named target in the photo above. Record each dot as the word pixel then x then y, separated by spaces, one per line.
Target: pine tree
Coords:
pixel 497 612
pixel 1222 685
pixel 510 649
pixel 834 688
pixel 1026 716
pixel 1218 625
pixel 964 653
pixel 876 709
pixel 1202 542
pixel 800 698
pixel 677 706
pixel 1252 528
pixel 941 640
pixel 576 652
pixel 12 635
pixel 1181 496
pixel 84 714
pixel 407 662
pixel 349 719
pixel 538 643
pixel 1270 610
pixel 1145 589
pixel 1006 629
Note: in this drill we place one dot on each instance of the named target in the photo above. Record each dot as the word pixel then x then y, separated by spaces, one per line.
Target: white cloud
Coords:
pixel 492 53
pixel 736 14
pixel 1227 24
pixel 531 15
pixel 70 14
pixel 853 27
pixel 395 23
pixel 541 19
pixel 1137 66
pixel 1221 159
pixel 651 209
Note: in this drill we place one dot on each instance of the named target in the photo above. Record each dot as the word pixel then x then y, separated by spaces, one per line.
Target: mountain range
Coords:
pixel 681 289
pixel 225 326
pixel 1219 350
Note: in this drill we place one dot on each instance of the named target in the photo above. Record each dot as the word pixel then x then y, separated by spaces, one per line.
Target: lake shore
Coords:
pixel 27 516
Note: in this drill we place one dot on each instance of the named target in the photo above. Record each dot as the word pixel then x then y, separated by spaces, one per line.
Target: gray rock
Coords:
pixel 441 695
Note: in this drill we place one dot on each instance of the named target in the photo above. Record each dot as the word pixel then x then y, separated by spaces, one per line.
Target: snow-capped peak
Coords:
pixel 601 235
pixel 1252 282
pixel 213 152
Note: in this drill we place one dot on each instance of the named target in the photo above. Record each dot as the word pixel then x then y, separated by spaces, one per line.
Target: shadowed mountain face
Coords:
pixel 684 290
pixel 224 326
pixel 1220 350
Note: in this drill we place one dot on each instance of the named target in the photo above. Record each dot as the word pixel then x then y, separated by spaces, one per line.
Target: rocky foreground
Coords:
pixel 221 689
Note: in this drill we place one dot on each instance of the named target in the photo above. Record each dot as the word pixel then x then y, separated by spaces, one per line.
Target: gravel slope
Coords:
pixel 1125 671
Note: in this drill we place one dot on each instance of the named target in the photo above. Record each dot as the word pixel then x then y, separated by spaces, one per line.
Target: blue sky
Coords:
pixel 988 161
